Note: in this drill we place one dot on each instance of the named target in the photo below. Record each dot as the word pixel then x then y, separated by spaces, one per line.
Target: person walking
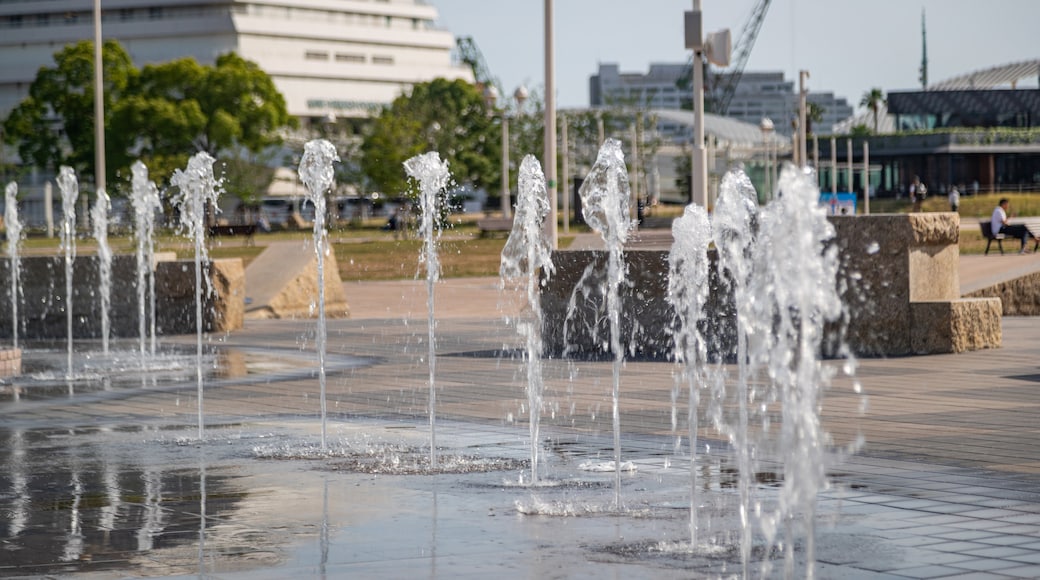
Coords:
pixel 918 191
pixel 955 199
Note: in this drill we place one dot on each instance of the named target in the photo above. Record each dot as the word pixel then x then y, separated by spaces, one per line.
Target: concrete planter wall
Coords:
pixel 898 278
pixel 42 305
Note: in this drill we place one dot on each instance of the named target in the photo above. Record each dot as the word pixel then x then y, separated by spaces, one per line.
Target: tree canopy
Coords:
pixel 54 125
pixel 161 114
pixel 447 116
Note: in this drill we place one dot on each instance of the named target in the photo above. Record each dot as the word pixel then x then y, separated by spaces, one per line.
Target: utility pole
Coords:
pixel 550 125
pixel 99 104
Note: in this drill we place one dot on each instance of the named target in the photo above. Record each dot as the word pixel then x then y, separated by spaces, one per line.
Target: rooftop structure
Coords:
pixel 342 58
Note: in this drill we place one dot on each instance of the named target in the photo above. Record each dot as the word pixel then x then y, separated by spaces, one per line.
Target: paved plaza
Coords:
pixel 106 479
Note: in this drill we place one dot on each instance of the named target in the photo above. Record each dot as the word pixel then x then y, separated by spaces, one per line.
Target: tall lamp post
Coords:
pixel 717 48
pixel 802 125
pixel 491 98
pixel 99 104
pixel 767 131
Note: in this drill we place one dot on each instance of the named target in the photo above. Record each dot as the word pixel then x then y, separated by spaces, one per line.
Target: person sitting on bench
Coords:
pixel 999 224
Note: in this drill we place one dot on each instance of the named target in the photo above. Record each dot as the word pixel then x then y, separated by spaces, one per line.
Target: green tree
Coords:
pixel 161 114
pixel 54 125
pixel 873 99
pixel 181 107
pixel 447 116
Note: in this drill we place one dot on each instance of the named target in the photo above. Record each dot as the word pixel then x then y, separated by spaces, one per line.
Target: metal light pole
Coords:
pixel 550 126
pixel 767 129
pixel 99 104
pixel 699 159
pixel 802 126
pixel 565 174
pixel 520 95
pixel 834 165
pixel 507 208
pixel 866 178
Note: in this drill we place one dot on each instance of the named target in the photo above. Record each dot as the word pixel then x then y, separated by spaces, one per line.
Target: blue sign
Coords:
pixel 841 203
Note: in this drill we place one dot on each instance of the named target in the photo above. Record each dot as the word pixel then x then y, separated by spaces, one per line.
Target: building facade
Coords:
pixel 758 95
pixel 329 58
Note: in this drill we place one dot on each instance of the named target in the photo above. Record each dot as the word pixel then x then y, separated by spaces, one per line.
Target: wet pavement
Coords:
pixel 105 479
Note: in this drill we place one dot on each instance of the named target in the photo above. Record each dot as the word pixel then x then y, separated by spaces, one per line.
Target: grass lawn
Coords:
pixel 365 252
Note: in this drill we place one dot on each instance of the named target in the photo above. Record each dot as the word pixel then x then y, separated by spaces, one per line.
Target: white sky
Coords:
pixel 848 46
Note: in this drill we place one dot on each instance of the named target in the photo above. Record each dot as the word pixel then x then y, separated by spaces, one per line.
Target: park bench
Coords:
pixel 987 232
pixel 1032 224
pixel 246 230
pixel 489 226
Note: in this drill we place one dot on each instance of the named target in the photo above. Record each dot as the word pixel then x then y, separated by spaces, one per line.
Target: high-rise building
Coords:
pixel 327 57
pixel 758 95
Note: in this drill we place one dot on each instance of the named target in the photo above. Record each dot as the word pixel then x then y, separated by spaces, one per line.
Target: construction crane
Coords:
pixel 724 83
pixel 470 54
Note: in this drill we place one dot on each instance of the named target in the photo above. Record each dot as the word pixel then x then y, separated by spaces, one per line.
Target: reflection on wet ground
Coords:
pixel 152 501
pixel 45 374
pixel 111 483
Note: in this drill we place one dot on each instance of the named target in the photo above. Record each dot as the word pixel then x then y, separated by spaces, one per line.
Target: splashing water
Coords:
pixel 604 197
pixel 197 188
pixel 688 295
pixel 432 175
pixel 14 242
pixel 99 217
pixel 734 222
pixel 144 196
pixel 527 252
pixel 316 172
pixel 792 295
pixel 68 185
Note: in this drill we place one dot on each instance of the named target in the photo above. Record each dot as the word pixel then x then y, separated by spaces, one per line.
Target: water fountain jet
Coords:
pixel 197 188
pixel 13 228
pixel 604 196
pixel 432 175
pixel 316 172
pixel 69 187
pixel 99 217
pixel 144 196
pixel 528 253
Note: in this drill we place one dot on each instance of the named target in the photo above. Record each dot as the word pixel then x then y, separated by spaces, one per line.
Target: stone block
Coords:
pixel 222 309
pixel 955 326
pixel 1018 297
pixel 282 282
pixel 889 265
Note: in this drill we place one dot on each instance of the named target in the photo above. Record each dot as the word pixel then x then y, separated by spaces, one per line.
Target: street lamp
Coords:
pixel 767 130
pixel 802 124
pixel 716 48
pixel 491 98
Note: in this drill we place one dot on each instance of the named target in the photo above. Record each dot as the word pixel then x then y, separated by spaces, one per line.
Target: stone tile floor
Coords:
pixel 109 481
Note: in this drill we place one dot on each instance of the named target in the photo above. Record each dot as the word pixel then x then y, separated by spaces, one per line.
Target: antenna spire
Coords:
pixel 924 54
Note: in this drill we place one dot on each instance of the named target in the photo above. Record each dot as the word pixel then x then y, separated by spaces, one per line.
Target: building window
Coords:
pixel 382 60
pixel 155 12
pixel 316 55
pixel 341 57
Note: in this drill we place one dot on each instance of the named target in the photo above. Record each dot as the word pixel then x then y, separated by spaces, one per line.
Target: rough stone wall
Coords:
pixel 42 303
pixel 1019 297
pixel 898 278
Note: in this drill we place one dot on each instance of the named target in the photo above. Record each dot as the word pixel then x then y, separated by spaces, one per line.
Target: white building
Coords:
pixel 327 57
